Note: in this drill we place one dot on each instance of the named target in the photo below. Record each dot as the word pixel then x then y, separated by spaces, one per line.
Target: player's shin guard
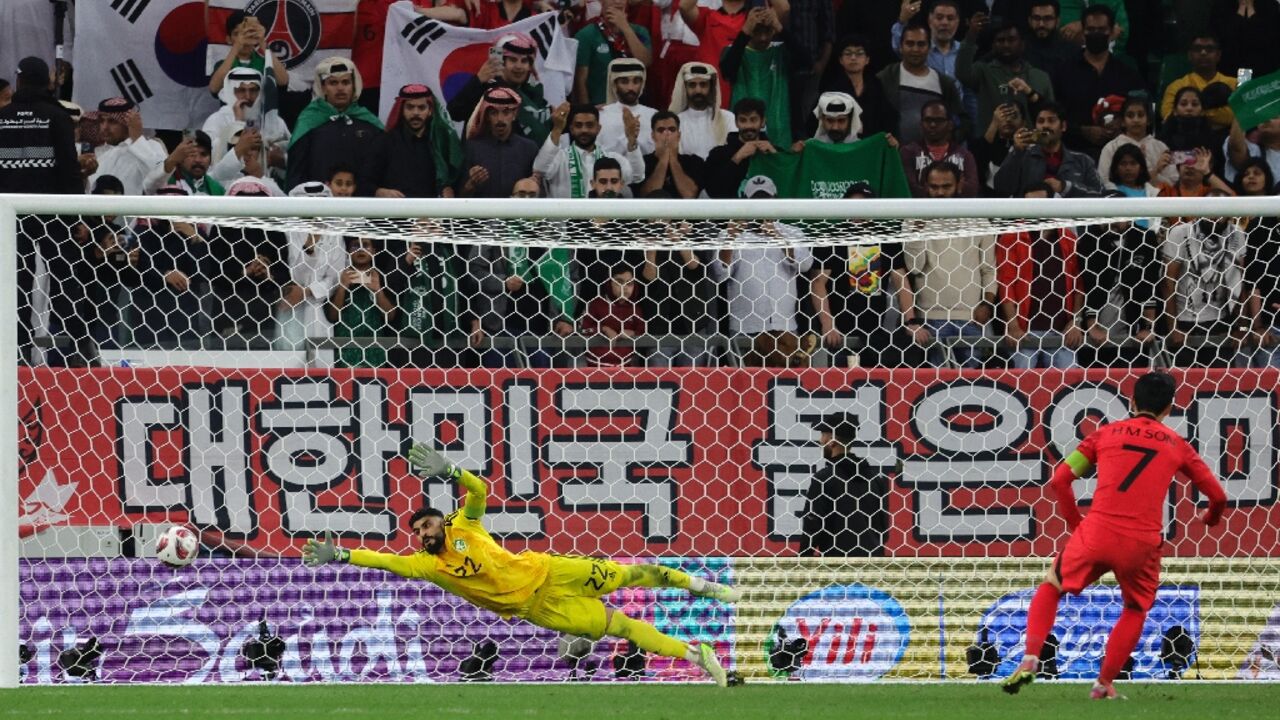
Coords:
pixel 646 637
pixel 1040 616
pixel 655 576
pixel 1124 638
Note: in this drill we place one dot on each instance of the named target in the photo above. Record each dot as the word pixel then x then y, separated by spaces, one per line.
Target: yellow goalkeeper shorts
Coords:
pixel 568 601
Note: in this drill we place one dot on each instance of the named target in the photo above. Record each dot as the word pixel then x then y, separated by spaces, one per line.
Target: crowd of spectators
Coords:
pixel 672 99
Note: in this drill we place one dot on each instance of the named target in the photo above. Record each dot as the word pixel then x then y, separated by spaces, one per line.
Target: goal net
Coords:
pixel 849 409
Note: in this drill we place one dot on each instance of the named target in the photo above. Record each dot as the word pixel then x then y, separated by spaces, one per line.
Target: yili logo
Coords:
pixel 851 632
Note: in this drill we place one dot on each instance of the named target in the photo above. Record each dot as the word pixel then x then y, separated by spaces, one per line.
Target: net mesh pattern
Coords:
pixel 853 421
pixel 702 234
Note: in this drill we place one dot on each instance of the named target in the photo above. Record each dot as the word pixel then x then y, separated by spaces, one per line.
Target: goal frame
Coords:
pixel 13 206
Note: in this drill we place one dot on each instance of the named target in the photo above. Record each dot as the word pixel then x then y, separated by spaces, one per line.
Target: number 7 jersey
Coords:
pixel 1137 460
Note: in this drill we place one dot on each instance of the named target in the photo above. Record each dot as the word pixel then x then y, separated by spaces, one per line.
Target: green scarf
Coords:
pixel 432 312
pixel 577 179
pixel 534 115
pixel 552 270
pixel 764 75
pixel 361 317
pixel 446 148
pixel 206 185
pixel 320 112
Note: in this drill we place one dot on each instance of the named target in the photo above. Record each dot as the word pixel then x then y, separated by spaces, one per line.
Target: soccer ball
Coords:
pixel 177 546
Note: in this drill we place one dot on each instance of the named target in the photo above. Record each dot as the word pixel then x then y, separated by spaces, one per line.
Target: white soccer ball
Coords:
pixel 177 546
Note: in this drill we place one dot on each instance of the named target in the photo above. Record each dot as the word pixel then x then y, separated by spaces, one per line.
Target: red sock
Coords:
pixel 1120 645
pixel 1040 616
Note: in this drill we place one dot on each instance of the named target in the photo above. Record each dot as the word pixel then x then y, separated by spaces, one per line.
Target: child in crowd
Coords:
pixel 342 181
pixel 614 313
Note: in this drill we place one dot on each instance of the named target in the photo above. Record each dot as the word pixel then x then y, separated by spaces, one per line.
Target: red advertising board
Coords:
pixel 615 461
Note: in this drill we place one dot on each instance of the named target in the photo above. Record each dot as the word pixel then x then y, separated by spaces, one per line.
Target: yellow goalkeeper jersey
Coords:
pixel 472 566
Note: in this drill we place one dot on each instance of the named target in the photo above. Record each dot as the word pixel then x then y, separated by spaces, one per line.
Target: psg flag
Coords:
pixel 299 32
pixel 150 51
pixel 417 49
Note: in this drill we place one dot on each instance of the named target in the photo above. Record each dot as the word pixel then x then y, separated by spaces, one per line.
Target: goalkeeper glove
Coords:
pixel 316 553
pixel 429 463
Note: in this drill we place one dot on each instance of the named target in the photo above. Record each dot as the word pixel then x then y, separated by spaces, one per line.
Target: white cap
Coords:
pixel 757 185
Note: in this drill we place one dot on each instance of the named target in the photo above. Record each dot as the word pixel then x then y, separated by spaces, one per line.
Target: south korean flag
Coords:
pixel 149 51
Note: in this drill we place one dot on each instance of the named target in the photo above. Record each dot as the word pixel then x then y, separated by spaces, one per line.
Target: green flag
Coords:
pixel 824 170
pixel 1257 101
pixel 764 74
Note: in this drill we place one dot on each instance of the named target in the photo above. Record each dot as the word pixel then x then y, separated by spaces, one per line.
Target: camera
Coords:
pixel 126 242
pixel 1177 650
pixel 983 657
pixel 264 651
pixel 478 667
pixel 1184 157
pixel 787 655
pixel 629 664
pixel 1039 136
pixel 82 662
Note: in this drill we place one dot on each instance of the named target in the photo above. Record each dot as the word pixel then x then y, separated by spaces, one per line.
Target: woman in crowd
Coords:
pixel 1129 176
pixel 1196 177
pixel 1136 121
pixel 850 75
pixel 1188 128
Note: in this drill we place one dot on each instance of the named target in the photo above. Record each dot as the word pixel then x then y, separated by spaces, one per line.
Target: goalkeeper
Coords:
pixel 552 591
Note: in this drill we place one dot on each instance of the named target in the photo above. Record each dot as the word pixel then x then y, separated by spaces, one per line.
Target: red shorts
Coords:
pixel 1095 550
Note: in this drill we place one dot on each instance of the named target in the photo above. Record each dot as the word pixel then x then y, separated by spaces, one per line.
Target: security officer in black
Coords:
pixel 37 138
pixel 846 504
pixel 37 155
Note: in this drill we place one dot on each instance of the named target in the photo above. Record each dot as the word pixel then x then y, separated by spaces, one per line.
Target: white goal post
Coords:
pixel 1081 209
pixel 388 218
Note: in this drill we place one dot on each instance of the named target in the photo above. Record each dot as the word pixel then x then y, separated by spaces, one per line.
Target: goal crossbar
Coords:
pixel 1087 209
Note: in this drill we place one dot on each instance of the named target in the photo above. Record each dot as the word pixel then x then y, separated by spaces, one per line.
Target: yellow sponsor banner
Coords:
pixel 866 619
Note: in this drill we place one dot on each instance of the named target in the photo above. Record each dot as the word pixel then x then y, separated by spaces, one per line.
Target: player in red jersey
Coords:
pixel 1123 533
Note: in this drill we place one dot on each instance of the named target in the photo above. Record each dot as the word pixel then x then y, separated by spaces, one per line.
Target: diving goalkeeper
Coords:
pixel 552 591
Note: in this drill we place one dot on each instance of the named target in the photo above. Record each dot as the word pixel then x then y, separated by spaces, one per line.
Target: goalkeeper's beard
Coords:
pixel 434 544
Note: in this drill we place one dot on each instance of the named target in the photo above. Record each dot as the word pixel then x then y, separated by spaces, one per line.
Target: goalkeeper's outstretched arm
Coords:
pixel 321 552
pixel 426 462
pixel 430 463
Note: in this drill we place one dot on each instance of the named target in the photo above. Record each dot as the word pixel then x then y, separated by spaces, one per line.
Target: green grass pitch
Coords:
pixel 649 701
